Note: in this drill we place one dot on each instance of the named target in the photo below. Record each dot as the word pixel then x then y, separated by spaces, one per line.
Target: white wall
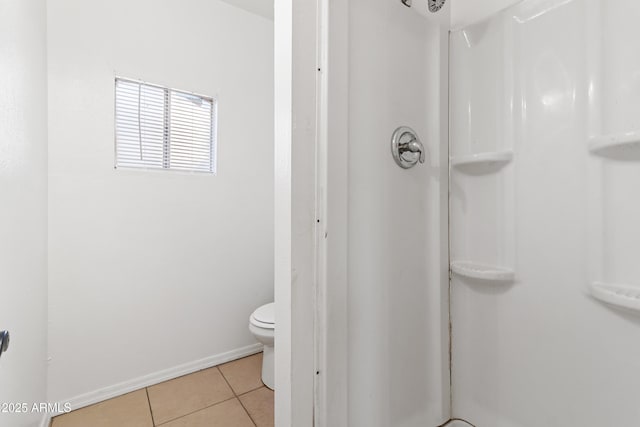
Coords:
pixel 397 218
pixel 542 351
pixel 465 12
pixel 151 269
pixel 23 195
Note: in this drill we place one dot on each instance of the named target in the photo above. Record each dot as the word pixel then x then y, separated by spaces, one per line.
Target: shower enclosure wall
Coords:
pixel 545 237
pixel 398 355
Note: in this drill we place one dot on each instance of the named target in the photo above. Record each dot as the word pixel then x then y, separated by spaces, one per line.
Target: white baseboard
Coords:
pixel 158 377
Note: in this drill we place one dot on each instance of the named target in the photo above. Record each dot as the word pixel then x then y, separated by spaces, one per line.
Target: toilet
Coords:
pixel 262 325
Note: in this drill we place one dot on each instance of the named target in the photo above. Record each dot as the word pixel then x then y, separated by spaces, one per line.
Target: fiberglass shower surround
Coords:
pixel 544 231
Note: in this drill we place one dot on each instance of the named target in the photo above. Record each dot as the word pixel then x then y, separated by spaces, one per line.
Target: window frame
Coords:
pixel 166 162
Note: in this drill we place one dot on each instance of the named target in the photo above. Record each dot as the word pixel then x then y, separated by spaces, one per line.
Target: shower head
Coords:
pixel 436 5
pixel 432 5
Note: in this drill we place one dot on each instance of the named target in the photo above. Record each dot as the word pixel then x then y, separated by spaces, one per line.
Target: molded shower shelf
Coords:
pixel 491 158
pixel 622 141
pixel 482 271
pixel 457 423
pixel 621 295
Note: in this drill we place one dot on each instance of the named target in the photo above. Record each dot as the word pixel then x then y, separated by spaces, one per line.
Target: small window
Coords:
pixel 162 128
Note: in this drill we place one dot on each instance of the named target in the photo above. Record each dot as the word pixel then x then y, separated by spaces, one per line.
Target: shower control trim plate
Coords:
pixel 406 148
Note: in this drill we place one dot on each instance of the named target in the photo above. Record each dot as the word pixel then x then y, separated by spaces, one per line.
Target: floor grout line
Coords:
pixel 153 420
pixel 197 410
pixel 248 414
pixel 238 397
pixel 253 389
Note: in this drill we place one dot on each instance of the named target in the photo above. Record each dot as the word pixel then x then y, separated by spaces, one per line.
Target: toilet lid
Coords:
pixel 265 314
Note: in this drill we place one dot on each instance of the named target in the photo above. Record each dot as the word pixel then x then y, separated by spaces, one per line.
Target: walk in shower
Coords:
pixel 498 282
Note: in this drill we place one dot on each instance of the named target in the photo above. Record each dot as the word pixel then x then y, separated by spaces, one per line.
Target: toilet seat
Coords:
pixel 264 316
pixel 259 324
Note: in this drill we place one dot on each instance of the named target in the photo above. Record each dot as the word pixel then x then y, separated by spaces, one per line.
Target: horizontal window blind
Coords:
pixel 162 128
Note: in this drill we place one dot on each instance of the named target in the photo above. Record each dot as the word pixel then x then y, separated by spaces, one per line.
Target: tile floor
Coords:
pixel 229 395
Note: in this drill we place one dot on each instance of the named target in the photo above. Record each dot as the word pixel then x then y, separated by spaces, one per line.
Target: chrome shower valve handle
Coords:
pixel 406 148
pixel 413 146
